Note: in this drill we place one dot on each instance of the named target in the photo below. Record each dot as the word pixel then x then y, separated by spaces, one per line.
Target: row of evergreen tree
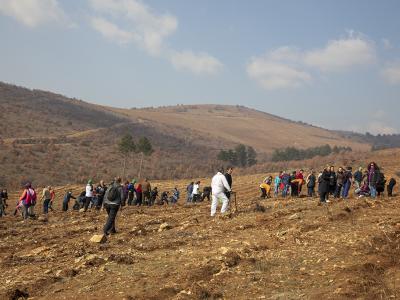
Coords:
pixel 240 156
pixel 292 153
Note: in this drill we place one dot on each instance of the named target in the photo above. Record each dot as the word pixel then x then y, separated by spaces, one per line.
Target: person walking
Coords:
pixel 52 198
pixel 189 192
pixel 358 178
pixel 113 199
pixel 285 177
pixel 390 186
pixel 68 196
pixel 100 191
pixel 332 180
pixel 373 175
pixel 146 190
pixel 196 192
pixel 218 186
pixel 340 176
pixel 46 197
pixel 4 198
pixel 228 176
pixel 27 199
pixel 324 185
pixel 347 182
pixel 88 195
pixel 310 182
pixel 277 183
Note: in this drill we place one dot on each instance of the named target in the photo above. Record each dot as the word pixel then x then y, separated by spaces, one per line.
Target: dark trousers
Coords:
pixel 338 190
pixel 146 198
pixel 310 191
pixel 332 189
pixel 130 197
pixel 87 202
pixel 294 189
pixel 196 198
pixel 390 190
pixel 99 202
pixel 263 193
pixel 204 196
pixel 65 206
pixel 138 198
pixel 323 196
pixel 46 203
pixel 112 211
pixel 346 189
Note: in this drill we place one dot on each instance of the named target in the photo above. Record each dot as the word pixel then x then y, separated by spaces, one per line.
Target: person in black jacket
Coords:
pixel 390 186
pixel 113 199
pixel 228 176
pixel 358 177
pixel 324 185
pixel 332 180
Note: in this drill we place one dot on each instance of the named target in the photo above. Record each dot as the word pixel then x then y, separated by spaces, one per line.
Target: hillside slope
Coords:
pixel 35 113
pixel 238 124
pixel 50 139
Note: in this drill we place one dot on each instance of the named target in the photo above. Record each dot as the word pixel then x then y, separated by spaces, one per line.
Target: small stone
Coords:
pixel 164 226
pixel 98 238
pixel 294 217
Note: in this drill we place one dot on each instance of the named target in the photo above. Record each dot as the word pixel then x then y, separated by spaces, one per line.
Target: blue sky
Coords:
pixel 330 63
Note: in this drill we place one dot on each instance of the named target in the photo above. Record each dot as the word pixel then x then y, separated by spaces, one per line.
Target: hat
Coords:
pixel 90 181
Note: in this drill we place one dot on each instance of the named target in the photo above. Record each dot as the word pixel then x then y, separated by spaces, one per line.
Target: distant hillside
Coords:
pixel 378 142
pixel 51 139
pixel 32 113
pixel 238 124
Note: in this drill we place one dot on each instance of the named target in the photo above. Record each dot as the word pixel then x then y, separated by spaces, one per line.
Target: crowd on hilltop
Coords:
pixel 368 182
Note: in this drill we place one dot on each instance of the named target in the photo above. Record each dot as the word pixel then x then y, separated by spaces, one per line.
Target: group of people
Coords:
pixel 366 182
pixel 369 182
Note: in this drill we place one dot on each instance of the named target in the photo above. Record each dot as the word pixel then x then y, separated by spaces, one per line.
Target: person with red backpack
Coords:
pixel 27 201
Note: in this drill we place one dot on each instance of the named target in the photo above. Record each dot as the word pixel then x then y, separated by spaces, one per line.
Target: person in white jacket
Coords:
pixel 219 185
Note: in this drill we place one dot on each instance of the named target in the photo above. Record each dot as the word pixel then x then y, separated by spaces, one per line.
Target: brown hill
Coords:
pixel 51 139
pixel 238 124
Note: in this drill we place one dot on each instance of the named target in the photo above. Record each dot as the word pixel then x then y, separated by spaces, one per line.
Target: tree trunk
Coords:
pixel 141 163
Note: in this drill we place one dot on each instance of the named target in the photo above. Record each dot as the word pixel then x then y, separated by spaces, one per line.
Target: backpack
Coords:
pixel 30 197
pixel 112 193
pixel 381 179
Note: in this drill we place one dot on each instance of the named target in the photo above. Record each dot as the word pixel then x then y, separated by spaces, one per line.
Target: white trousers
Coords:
pixel 214 204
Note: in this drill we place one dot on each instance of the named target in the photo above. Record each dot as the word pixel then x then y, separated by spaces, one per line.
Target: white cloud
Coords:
pixel 146 28
pixel 125 21
pixel 278 69
pixel 33 13
pixel 287 67
pixel 376 127
pixel 391 73
pixel 342 54
pixel 196 63
pixel 111 31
